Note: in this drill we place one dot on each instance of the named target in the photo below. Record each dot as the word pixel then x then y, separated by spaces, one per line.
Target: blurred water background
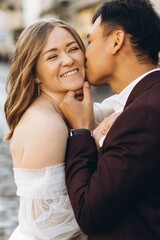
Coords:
pixel 8 199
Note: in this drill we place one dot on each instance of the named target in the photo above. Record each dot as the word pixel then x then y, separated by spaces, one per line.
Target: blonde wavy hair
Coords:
pixel 21 85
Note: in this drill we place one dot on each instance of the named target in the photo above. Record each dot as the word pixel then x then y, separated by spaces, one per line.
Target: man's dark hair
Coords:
pixel 139 20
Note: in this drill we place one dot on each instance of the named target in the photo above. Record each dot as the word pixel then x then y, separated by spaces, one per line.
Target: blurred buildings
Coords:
pixel 17 14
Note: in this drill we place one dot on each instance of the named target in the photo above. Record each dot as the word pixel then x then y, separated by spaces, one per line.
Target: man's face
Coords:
pixel 99 57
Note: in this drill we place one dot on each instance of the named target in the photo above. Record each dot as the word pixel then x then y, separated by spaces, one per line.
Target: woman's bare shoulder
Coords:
pixel 40 133
pixel 39 117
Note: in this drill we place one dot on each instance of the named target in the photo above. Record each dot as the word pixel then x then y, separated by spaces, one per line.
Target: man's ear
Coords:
pixel 118 41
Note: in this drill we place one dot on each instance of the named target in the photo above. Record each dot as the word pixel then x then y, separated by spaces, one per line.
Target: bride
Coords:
pixel 48 62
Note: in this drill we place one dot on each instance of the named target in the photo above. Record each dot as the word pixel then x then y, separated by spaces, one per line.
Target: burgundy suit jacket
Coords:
pixel 115 194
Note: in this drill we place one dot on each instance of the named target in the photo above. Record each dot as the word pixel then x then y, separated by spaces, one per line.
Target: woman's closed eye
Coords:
pixel 74 49
pixel 53 57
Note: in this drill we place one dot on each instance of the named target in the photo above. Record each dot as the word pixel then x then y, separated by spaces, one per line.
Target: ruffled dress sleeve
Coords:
pixel 45 211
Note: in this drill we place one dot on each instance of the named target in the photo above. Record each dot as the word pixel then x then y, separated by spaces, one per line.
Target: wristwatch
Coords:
pixel 80 131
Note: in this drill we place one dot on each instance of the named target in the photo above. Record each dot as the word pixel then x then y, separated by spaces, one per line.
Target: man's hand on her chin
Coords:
pixel 78 113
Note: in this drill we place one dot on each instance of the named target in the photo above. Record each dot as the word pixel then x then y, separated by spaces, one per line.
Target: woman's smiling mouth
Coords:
pixel 70 73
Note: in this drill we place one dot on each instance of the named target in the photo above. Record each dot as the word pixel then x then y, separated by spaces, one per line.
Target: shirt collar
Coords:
pixel 122 97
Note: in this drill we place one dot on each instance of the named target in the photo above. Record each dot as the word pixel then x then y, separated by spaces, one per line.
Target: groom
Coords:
pixel 115 193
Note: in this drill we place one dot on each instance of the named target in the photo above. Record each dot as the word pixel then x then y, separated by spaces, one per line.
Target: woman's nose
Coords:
pixel 67 60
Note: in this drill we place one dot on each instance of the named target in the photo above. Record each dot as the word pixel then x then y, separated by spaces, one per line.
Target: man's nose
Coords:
pixel 86 55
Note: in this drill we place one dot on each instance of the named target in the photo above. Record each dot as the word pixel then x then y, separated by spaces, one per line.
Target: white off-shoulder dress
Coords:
pixel 45 211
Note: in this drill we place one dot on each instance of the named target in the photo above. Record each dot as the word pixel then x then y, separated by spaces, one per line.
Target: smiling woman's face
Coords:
pixel 60 66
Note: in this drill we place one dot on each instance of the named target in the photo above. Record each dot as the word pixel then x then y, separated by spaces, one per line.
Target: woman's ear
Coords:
pixel 36 79
pixel 118 41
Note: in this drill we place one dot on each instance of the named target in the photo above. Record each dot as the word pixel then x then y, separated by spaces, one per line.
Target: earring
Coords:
pixel 38 90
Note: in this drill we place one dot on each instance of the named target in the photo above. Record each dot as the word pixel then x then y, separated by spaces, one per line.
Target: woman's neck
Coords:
pixel 54 97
